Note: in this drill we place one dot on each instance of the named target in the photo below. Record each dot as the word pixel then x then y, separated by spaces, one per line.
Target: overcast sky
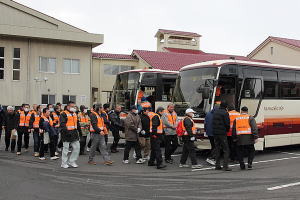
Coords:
pixel 227 26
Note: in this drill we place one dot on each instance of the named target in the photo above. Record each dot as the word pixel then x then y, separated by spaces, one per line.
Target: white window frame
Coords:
pixel 19 70
pixel 48 98
pixel 40 61
pixel 71 59
pixel 2 69
pixel 68 98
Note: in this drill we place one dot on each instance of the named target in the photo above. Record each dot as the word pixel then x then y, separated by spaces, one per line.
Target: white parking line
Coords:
pixel 283 186
pixel 262 161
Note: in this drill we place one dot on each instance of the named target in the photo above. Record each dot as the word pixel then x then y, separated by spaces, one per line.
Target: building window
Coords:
pixel 16 64
pixel 47 65
pixel 67 98
pixel 272 50
pixel 48 99
pixel 115 69
pixel 71 66
pixel 1 63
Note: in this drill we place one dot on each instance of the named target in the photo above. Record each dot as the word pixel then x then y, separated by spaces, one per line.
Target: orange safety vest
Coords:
pixel 232 116
pixel 100 123
pixel 140 95
pixel 55 118
pixel 146 104
pixel 193 128
pixel 37 118
pixel 72 120
pixel 172 117
pixel 24 119
pixel 48 120
pixel 84 118
pixel 160 127
pixel 242 125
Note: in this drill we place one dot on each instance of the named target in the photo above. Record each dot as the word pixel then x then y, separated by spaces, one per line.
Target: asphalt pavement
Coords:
pixel 275 176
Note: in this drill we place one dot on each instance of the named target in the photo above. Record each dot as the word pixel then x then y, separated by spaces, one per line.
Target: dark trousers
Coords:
pixel 212 154
pixel 90 143
pixel 23 131
pixel 36 140
pixel 155 151
pixel 137 148
pixel 106 139
pixel 188 150
pixel 171 144
pixel 243 150
pixel 51 146
pixel 8 141
pixel 232 148
pixel 82 144
pixel 221 145
pixel 115 143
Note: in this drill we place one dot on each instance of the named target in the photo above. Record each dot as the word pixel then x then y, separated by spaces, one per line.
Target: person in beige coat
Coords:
pixel 133 127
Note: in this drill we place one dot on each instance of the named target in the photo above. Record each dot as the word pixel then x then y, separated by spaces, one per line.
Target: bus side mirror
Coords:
pixel 205 91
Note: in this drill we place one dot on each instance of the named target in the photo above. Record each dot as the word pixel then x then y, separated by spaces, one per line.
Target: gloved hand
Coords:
pixel 143 132
pixel 193 138
pixel 139 130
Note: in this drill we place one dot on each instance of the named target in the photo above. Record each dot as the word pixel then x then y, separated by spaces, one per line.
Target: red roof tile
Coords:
pixel 188 51
pixel 292 42
pixel 113 56
pixel 175 61
pixel 179 33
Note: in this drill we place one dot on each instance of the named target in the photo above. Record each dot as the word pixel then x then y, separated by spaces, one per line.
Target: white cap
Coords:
pixel 10 108
pixel 189 110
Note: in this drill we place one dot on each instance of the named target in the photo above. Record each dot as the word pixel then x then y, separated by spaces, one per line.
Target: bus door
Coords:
pixel 251 95
pixel 226 90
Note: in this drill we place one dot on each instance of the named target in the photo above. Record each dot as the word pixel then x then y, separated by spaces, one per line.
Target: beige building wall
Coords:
pixel 31 85
pixel 103 83
pixel 278 54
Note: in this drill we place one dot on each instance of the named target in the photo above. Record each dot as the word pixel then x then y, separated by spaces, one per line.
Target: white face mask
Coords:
pixel 85 110
pixel 136 111
pixel 26 109
pixel 73 109
pixel 51 109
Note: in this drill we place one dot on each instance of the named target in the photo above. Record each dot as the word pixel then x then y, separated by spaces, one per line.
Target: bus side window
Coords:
pixel 252 88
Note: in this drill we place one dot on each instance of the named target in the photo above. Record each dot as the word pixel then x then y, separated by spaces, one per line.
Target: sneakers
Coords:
pixel 126 161
pixel 88 149
pixel 65 166
pixel 170 161
pixel 196 166
pixel 36 154
pixel 146 158
pixel 218 168
pixel 211 161
pixel 140 161
pixel 92 162
pixel 42 158
pixel 250 167
pixel 183 165
pixel 56 153
pixel 18 153
pixel 74 165
pixel 54 158
pixel 161 166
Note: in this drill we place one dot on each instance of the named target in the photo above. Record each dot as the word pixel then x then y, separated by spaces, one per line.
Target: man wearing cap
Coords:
pixel 245 132
pixel 188 140
pixel 133 127
pixel 221 125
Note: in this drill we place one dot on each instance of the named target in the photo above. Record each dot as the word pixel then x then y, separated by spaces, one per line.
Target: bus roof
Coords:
pixel 218 63
pixel 150 71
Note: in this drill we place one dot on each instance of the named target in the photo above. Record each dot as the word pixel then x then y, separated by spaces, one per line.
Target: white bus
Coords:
pixel 270 91
pixel 158 86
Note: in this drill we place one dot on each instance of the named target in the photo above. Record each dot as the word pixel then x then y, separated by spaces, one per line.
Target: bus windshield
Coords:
pixel 126 88
pixel 187 93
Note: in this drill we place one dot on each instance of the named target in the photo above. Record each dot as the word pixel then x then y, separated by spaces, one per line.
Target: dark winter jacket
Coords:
pixel 155 124
pixel 246 139
pixel 116 123
pixel 67 135
pixel 220 122
pixel 188 124
pixel 45 126
pixel 10 121
pixel 145 125
pixel 2 114
pixel 208 123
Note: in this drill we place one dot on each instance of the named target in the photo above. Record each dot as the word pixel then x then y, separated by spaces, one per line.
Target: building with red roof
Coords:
pixel 278 50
